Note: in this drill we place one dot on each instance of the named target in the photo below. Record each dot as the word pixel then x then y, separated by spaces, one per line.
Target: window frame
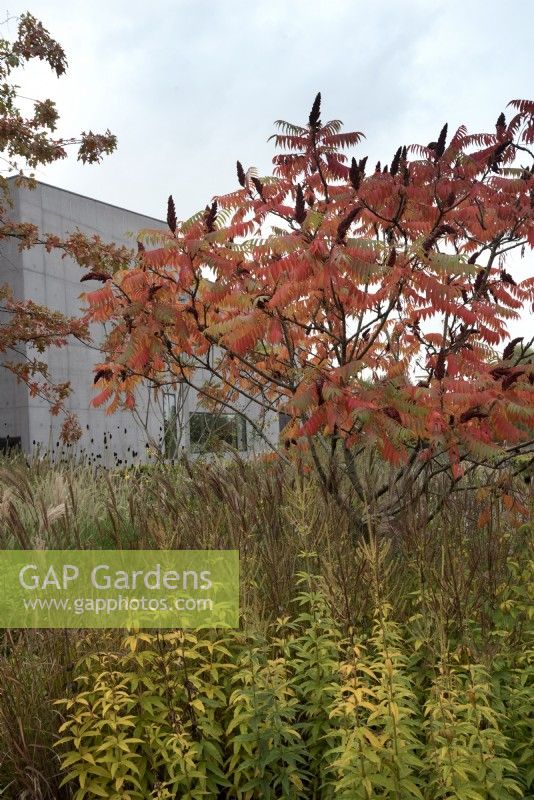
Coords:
pixel 240 439
pixel 170 425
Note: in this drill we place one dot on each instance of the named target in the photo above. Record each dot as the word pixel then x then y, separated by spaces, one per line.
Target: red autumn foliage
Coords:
pixel 387 290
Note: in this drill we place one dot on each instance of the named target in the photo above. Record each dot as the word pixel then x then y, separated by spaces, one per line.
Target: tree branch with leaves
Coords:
pixel 372 307
pixel 28 141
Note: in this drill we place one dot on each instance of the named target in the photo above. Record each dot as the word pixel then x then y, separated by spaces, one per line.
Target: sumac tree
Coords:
pixel 372 305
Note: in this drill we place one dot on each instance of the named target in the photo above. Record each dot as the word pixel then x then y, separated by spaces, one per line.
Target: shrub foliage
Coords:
pixel 391 667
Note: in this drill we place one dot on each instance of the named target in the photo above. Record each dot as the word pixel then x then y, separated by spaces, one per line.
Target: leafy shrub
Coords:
pixel 379 668
pixel 309 710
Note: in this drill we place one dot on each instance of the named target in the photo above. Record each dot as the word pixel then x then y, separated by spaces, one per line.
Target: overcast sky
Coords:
pixel 189 86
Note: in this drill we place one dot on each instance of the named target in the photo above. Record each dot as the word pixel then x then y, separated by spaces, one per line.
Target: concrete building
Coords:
pixel 172 422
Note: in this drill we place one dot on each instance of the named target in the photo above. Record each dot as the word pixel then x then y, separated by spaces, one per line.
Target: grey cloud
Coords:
pixel 189 87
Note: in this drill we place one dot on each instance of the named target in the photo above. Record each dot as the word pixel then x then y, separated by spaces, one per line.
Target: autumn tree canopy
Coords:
pixel 28 140
pixel 371 304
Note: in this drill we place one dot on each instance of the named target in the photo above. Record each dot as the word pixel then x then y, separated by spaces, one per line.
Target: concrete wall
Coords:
pixel 50 280
pixel 14 420
pixel 53 281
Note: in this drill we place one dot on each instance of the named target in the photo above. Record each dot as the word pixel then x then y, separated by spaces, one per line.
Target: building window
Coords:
pixel 10 443
pixel 170 425
pixel 283 421
pixel 210 432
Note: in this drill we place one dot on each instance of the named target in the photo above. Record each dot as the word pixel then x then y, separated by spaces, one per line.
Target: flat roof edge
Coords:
pixel 93 199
